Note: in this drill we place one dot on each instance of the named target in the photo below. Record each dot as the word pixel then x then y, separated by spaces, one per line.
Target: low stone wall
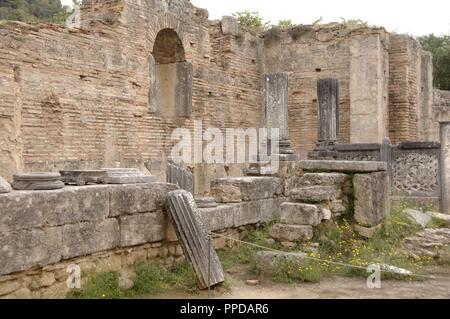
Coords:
pixel 309 192
pixel 103 227
pixel 110 227
pixel 414 168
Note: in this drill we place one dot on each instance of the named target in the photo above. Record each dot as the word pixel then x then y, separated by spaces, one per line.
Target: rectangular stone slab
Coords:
pixel 193 237
pixel 341 166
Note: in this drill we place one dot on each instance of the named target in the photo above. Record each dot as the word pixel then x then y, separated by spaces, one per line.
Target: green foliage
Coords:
pixel 150 279
pixel 251 20
pixel 285 24
pixel 354 23
pixel 33 11
pixel 439 46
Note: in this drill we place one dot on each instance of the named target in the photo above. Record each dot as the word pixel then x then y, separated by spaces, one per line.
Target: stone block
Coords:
pixel 338 207
pixel 341 166
pixel 367 232
pixel 269 262
pixel 226 193
pixel 241 214
pixel 28 209
pixel 292 233
pixel 25 249
pixel 371 198
pixel 87 238
pixel 221 217
pixel 142 228
pixel 417 218
pixel 316 194
pixel 230 26
pixel 140 198
pixel 300 214
pixel 5 187
pixel 251 188
pixel 323 179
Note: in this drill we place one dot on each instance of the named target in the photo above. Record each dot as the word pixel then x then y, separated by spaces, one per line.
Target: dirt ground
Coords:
pixel 336 287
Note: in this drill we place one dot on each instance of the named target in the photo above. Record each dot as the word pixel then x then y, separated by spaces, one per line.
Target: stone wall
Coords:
pixel 357 58
pixel 89 97
pixel 104 228
pixel 410 86
pixel 80 98
pixel 441 111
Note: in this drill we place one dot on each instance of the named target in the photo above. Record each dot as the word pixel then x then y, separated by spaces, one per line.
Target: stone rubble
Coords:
pixel 417 217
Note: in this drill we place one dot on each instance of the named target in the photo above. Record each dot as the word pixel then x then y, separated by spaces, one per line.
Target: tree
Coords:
pixel 439 46
pixel 33 11
pixel 251 20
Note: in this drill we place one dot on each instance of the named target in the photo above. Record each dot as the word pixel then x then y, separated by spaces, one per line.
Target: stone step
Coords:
pixel 300 214
pixel 237 189
pixel 323 179
pixel 292 233
pixel 316 194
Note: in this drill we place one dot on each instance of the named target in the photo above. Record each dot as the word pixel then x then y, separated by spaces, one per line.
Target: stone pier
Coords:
pixel 275 111
pixel 327 119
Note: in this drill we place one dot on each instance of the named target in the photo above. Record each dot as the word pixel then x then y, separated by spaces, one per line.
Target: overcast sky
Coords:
pixel 416 17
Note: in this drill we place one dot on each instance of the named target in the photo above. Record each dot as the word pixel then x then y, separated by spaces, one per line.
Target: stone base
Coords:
pixel 37 181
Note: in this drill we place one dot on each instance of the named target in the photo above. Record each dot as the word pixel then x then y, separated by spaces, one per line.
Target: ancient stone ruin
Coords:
pixel 87 116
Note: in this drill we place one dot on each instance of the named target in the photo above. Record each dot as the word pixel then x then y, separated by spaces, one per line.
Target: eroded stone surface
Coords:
pixel 87 238
pixel 134 199
pixel 367 232
pixel 323 179
pixel 291 233
pixel 417 217
pixel 5 187
pixel 341 166
pixel 24 249
pixel 248 188
pixel 142 228
pixel 371 198
pixel 316 194
pixel 300 214
pixel 434 243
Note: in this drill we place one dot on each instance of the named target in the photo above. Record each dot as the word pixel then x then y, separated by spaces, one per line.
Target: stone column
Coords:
pixel 328 111
pixel 327 119
pixel 275 110
pixel 445 167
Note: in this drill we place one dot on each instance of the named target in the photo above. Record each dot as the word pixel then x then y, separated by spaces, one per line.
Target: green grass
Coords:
pixel 151 279
pixel 437 223
pixel 337 243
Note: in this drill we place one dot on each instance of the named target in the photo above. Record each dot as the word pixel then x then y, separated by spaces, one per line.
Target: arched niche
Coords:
pixel 170 92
